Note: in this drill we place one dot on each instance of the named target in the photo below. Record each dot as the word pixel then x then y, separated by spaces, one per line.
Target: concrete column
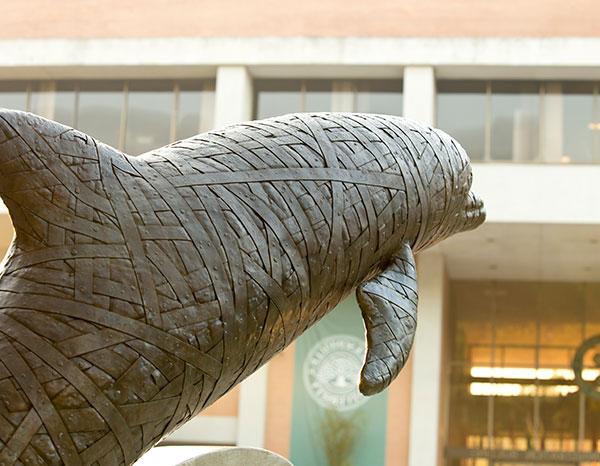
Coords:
pixel 342 97
pixel 419 94
pixel 551 124
pixel 426 420
pixel 233 104
pixel 427 412
pixel 252 410
pixel 233 96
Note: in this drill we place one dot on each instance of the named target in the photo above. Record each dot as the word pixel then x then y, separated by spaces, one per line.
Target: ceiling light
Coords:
pixel 531 373
pixel 516 389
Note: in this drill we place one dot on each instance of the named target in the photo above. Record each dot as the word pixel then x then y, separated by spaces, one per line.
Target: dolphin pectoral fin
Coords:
pixel 388 304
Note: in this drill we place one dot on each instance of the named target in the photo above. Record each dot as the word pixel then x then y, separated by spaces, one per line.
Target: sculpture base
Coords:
pixel 238 456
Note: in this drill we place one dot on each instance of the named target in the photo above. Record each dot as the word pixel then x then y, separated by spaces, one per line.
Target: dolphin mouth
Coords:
pixel 474 212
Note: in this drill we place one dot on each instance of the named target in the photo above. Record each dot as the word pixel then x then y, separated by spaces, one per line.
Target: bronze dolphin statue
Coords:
pixel 139 290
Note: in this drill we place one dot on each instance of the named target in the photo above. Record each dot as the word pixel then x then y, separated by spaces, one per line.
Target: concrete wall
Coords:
pixel 169 18
pixel 544 194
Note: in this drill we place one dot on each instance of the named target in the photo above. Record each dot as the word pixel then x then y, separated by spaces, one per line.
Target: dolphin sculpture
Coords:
pixel 139 290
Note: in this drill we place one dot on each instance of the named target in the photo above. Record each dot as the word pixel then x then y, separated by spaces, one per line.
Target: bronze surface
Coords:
pixel 139 290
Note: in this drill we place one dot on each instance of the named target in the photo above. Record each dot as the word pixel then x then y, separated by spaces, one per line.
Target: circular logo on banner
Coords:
pixel 331 372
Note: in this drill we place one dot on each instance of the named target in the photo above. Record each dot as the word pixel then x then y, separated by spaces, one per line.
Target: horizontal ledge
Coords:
pixel 382 51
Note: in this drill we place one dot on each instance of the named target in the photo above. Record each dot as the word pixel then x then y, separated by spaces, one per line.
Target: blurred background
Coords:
pixel 505 366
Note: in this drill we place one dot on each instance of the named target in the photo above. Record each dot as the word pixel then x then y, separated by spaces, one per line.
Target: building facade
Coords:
pixel 504 367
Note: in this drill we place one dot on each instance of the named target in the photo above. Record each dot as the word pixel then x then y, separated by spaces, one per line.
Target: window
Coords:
pixel 134 116
pixel 14 95
pixel 461 111
pixel 512 388
pixel 99 110
pixel 148 122
pixel 579 107
pixel 522 121
pixel 514 122
pixel 280 96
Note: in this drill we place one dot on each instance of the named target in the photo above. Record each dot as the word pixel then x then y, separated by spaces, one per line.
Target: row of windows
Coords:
pixel 495 120
pixel 522 121
pixel 134 116
pixel 277 97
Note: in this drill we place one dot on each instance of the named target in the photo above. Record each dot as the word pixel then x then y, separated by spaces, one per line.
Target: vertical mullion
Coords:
pixel 76 89
pixel 581 416
pixel 595 157
pixel 541 123
pixel 536 399
pixel 123 125
pixel 487 156
pixel 48 98
pixel 303 96
pixel 174 111
pixel 207 107
pixel 28 97
pixel 490 414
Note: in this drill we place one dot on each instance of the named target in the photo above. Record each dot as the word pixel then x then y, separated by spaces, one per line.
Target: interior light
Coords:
pixel 565 159
pixel 530 373
pixel 517 389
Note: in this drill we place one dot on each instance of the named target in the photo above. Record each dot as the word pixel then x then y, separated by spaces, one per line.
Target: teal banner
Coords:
pixel 332 423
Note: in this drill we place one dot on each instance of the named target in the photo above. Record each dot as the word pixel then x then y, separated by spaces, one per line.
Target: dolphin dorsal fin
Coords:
pixel 388 304
pixel 50 177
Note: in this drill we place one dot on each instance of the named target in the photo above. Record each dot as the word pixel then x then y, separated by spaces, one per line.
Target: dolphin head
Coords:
pixel 451 206
pixel 440 204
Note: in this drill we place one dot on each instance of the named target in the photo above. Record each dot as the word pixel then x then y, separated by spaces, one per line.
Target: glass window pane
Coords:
pixel 318 96
pixel 196 108
pixel 149 110
pixel 514 121
pixel 188 116
pixel 207 113
pixel 461 112
pixel 591 294
pixel 468 412
pixel 277 97
pixel 382 97
pixel 563 307
pixel 471 340
pixel 53 100
pixel 13 95
pixel 41 100
pixel 532 400
pixel 99 113
pixel 64 103
pixel 579 122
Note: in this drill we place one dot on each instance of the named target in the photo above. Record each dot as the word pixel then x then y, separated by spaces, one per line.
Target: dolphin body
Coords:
pixel 139 290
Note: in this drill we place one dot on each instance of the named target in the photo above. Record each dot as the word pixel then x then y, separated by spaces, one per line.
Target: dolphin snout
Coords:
pixel 474 212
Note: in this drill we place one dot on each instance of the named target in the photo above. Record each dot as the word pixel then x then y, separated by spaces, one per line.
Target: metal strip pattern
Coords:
pixel 140 290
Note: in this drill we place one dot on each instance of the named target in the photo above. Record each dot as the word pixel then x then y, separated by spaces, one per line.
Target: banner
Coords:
pixel 332 423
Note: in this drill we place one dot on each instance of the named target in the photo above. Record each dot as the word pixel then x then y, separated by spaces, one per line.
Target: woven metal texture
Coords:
pixel 139 290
